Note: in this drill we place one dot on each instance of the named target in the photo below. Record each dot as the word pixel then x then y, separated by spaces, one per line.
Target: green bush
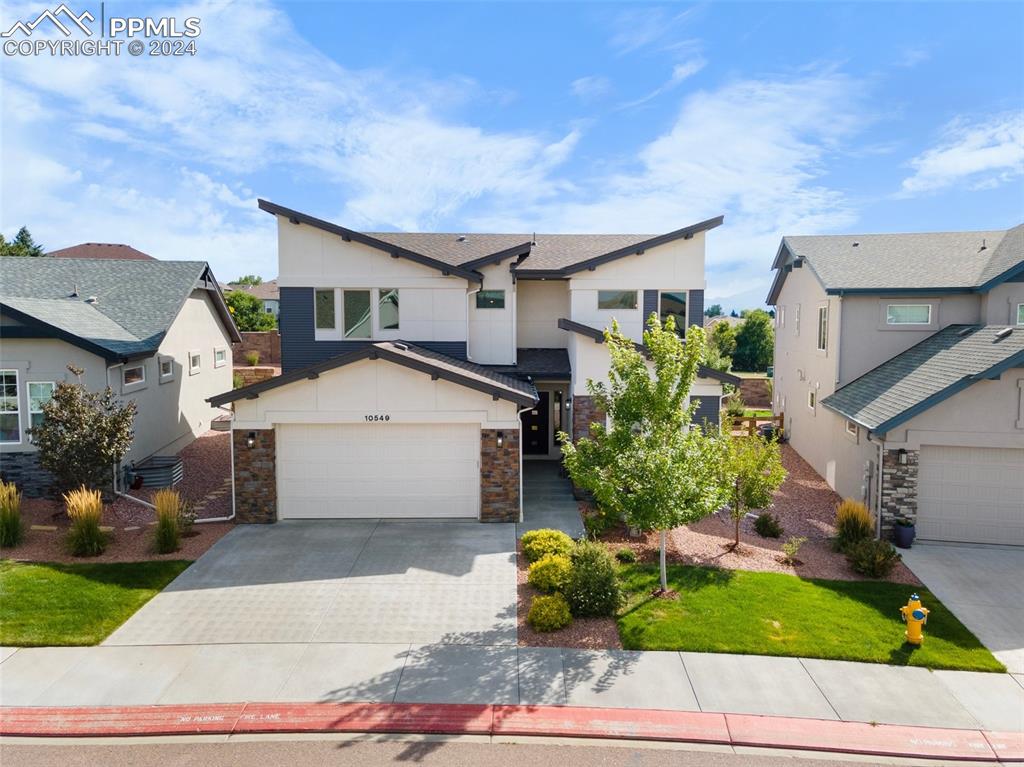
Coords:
pixel 767 525
pixel 549 613
pixel 11 529
pixel 538 543
pixel 593 590
pixel 872 558
pixel 550 572
pixel 85 510
pixel 626 555
pixel 253 358
pixel 237 382
pixel 791 548
pixel 854 523
pixel 167 534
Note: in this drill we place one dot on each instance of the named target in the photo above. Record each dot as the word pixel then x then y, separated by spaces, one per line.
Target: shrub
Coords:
pixel 767 525
pixel 187 519
pixel 550 572
pixel 538 543
pixel 734 406
pixel 167 534
pixel 854 523
pixel 11 529
pixel 236 381
pixel 85 509
pixel 791 548
pixel 549 613
pixel 626 555
pixel 872 558
pixel 253 358
pixel 599 522
pixel 592 590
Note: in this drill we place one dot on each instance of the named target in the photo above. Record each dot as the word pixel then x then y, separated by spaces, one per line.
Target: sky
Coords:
pixel 797 118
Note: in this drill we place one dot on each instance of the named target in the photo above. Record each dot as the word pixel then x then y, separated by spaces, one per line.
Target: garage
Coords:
pixel 378 470
pixel 971 494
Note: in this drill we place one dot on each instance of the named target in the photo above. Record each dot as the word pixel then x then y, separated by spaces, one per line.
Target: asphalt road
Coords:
pixel 268 753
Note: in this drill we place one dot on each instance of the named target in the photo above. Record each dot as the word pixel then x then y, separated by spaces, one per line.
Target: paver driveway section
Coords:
pixel 983 587
pixel 401 581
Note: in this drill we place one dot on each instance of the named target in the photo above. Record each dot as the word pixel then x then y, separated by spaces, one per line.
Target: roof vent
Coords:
pixel 461 238
pixel 534 240
pixel 74 293
pixel 965 331
pixel 90 300
pixel 856 244
pixel 983 245
pixel 403 347
pixel 1001 334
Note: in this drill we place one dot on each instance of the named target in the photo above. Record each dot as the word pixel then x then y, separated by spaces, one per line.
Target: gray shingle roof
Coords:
pixel 939 260
pixel 538 364
pixel 926 374
pixel 136 300
pixel 112 250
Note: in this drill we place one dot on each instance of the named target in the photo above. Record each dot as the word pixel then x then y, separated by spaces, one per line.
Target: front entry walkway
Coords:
pixel 548 500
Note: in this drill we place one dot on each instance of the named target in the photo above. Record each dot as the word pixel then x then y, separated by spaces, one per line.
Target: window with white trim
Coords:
pixel 616 299
pixel 852 428
pixel 822 328
pixel 347 314
pixel 220 357
pixel 132 375
pixel 490 299
pixel 325 310
pixel 195 362
pixel 39 393
pixel 812 399
pixel 10 412
pixel 387 308
pixel 1020 314
pixel 165 368
pixel 908 314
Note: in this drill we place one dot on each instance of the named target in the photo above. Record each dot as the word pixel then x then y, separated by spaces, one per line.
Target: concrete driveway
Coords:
pixel 984 587
pixel 397 581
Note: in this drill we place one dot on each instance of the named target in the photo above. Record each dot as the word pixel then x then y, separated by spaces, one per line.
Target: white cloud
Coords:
pixel 980 154
pixel 642 27
pixel 591 87
pixel 912 56
pixel 680 72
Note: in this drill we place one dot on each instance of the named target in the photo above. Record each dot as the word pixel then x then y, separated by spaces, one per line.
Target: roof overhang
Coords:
pixel 209 283
pixel 33 327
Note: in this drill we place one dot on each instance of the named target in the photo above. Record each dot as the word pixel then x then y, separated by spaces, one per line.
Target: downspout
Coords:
pixel 878 490
pixel 469 293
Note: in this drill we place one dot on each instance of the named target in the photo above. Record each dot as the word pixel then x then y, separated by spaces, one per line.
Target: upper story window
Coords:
pixel 852 428
pixel 39 393
pixel 490 299
pixel 822 328
pixel 908 314
pixel 323 309
pixel 10 412
pixel 673 304
pixel 358 311
pixel 133 374
pixel 616 299
pixel 220 357
pixel 165 366
pixel 1020 314
pixel 387 309
pixel 812 399
pixel 195 362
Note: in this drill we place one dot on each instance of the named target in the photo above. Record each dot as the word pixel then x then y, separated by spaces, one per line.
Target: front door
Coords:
pixel 535 427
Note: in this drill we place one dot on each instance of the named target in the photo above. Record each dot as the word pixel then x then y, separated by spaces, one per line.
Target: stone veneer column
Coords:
pixel 255 476
pixel 499 476
pixel 899 489
pixel 584 413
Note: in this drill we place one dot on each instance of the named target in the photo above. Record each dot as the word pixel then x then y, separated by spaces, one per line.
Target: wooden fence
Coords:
pixel 748 424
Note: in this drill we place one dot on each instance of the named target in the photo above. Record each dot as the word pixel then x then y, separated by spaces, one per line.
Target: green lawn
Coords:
pixel 737 611
pixel 54 604
pixel 753 412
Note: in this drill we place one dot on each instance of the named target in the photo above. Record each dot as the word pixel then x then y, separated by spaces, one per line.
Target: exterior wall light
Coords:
pixel 901 456
pixel 250 440
pixel 501 438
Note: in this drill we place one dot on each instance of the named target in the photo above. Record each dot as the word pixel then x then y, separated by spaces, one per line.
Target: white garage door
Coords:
pixel 971 494
pixel 378 470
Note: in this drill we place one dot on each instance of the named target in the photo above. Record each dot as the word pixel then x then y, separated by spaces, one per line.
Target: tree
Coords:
pixel 247 311
pixel 649 465
pixel 83 434
pixel 734 313
pixel 21 245
pixel 754 465
pixel 723 335
pixel 249 279
pixel 755 342
pixel 715 310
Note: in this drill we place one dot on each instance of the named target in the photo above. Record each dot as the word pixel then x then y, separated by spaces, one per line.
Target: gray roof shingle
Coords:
pixel 927 373
pixel 538 364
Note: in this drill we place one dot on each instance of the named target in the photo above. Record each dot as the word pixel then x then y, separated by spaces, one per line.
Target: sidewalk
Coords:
pixel 502 675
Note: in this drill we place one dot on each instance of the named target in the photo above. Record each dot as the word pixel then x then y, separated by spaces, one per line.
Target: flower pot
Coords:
pixel 905 536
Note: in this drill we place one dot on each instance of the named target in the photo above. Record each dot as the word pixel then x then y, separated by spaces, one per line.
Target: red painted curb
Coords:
pixel 557 721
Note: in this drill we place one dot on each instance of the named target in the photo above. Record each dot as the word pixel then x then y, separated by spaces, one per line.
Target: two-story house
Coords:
pixel 419 370
pixel 899 365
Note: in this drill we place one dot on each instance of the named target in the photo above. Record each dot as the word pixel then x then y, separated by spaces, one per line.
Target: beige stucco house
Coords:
pixel 156 332
pixel 899 365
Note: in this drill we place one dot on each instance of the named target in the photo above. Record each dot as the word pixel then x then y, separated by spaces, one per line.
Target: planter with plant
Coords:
pixel 85 510
pixel 11 528
pixel 904 533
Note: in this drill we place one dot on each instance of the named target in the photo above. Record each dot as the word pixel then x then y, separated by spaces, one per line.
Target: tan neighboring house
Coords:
pixel 156 332
pixel 266 292
pixel 899 365
pixel 110 250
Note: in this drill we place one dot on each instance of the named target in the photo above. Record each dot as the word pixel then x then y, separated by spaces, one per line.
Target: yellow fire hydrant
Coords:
pixel 915 617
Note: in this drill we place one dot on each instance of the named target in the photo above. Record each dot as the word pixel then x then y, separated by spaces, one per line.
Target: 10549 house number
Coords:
pixel 377 418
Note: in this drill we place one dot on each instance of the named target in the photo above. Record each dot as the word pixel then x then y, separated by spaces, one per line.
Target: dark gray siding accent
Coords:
pixel 650 304
pixel 707 410
pixel 300 348
pixel 695 307
pixel 23 470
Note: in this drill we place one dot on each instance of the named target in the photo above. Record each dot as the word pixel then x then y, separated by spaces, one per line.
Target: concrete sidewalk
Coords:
pixel 742 684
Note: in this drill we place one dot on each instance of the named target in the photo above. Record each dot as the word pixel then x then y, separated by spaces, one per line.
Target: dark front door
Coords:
pixel 535 427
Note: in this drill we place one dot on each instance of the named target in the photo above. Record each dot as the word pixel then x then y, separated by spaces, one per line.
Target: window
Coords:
pixel 195 363
pixel 134 374
pixel 39 393
pixel 908 314
pixel 268 309
pixel 165 366
pixel 490 299
pixel 220 357
pixel 674 305
pixel 1020 314
pixel 822 328
pixel 323 302
pixel 616 299
pixel 851 428
pixel 10 414
pixel 811 399
pixel 387 309
pixel 356 311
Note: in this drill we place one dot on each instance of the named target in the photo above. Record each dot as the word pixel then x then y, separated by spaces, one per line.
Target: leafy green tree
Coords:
pixel 715 310
pixel 21 245
pixel 83 434
pixel 755 342
pixel 754 464
pixel 723 335
pixel 649 465
pixel 249 279
pixel 247 311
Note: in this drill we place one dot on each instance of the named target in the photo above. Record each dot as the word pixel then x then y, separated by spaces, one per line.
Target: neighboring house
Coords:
pixel 899 364
pixel 156 332
pixel 420 369
pixel 710 322
pixel 267 292
pixel 101 250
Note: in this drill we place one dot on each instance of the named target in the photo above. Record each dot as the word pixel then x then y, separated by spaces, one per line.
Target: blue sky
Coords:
pixel 787 118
